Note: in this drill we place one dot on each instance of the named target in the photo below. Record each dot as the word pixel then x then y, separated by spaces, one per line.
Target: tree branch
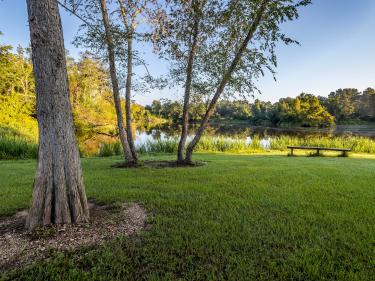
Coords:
pixel 79 17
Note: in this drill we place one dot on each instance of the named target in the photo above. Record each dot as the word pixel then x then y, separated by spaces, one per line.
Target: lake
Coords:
pixel 248 131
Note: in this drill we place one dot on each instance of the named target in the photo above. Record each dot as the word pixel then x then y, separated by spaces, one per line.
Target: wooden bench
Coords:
pixel 318 149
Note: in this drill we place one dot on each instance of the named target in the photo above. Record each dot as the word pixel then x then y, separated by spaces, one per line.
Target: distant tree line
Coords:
pixel 341 106
pixel 91 94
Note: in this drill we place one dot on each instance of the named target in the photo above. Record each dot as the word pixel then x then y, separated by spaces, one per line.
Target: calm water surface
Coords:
pixel 265 133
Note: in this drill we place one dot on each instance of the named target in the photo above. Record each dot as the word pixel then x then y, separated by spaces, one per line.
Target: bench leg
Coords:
pixel 317 152
pixel 291 152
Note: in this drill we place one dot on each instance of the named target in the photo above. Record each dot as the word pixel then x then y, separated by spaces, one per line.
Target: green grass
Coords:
pixel 239 217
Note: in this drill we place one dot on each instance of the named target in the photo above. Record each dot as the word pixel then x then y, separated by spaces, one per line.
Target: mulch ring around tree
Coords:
pixel 159 164
pixel 19 247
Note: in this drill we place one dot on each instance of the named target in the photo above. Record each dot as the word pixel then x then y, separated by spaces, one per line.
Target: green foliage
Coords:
pixel 264 113
pixel 349 104
pixel 366 105
pixel 235 110
pixel 16 73
pixel 342 103
pixel 235 218
pixel 304 110
pixel 17 96
pixel 91 99
pixel 16 146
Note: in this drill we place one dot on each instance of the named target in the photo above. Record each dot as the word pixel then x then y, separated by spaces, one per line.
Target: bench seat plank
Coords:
pixel 319 148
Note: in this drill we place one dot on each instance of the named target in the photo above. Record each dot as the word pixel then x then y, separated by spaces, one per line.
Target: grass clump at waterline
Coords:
pixel 237 218
pixel 255 145
pixel 110 149
pixel 206 144
pixel 355 143
pixel 16 146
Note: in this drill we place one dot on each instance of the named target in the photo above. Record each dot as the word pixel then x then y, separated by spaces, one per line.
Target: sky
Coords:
pixel 337 49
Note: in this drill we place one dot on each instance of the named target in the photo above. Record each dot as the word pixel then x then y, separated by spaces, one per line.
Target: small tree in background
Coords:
pixel 134 13
pixel 243 47
pixel 184 38
pixel 221 48
pixel 119 26
pixel 128 154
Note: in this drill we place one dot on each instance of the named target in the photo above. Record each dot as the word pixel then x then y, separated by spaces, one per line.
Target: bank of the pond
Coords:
pixel 16 147
pixel 237 218
pixel 253 144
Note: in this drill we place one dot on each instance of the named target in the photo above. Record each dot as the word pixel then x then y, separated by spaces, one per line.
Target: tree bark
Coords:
pixel 189 77
pixel 128 94
pixel 58 195
pixel 115 87
pixel 258 18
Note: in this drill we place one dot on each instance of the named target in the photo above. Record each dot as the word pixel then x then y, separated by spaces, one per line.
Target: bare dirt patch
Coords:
pixel 19 247
pixel 160 164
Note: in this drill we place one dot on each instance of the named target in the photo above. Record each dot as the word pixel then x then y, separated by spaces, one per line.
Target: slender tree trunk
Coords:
pixel 115 87
pixel 189 77
pixel 258 18
pixel 58 195
pixel 128 95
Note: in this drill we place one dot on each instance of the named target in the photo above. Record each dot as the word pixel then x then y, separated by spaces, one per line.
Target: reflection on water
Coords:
pixel 247 132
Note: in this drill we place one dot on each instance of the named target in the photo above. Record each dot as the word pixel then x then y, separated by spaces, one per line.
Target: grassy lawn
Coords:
pixel 237 218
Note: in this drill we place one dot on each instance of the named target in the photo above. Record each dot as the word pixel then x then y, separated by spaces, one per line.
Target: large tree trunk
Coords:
pixel 59 195
pixel 189 77
pixel 116 92
pixel 128 95
pixel 258 17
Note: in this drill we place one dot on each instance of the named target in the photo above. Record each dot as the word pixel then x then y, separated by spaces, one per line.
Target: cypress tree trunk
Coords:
pixel 127 94
pixel 225 79
pixel 116 92
pixel 58 195
pixel 189 77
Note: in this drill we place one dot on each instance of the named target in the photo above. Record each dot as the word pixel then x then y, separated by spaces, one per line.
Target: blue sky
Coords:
pixel 337 48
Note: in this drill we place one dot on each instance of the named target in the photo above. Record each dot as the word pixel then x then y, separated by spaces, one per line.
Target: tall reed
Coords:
pixel 256 144
pixel 15 147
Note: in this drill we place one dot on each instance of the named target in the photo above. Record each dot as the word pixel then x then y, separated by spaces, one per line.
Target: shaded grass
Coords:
pixel 236 218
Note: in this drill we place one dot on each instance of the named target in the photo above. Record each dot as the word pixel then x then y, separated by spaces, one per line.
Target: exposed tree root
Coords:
pixel 19 246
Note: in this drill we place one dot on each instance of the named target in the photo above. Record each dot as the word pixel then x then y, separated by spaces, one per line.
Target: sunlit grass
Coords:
pixel 239 217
